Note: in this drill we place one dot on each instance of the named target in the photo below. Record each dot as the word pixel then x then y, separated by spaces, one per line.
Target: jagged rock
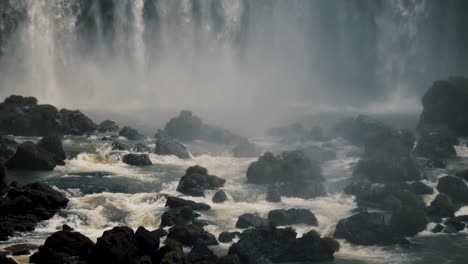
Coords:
pixel 196 180
pixel 53 144
pixel 292 216
pixel 250 220
pixel 445 103
pixel 175 202
pixel 147 241
pixel 245 149
pixel 137 159
pixel 108 126
pixel 191 234
pixel 273 195
pixel 226 237
pixel 75 122
pixel 178 216
pixel 436 143
pixel 168 146
pixel 455 188
pixel 442 206
pixel 131 134
pixel 268 244
pixel 29 156
pixel 61 247
pixel 220 197
pixel 367 229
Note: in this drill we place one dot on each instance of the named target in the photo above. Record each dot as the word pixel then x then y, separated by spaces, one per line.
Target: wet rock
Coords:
pixel 3 180
pixel 396 169
pixel 268 244
pixel 462 174
pixel 453 225
pixel 118 246
pixel 420 188
pixel 367 229
pixel 53 144
pixel 178 216
pixel 171 253
pixel 217 135
pixel 159 232
pixel 226 237
pixel 273 195
pixel 250 220
pixel 196 180
pixel 29 156
pixel 436 142
pixel 5 260
pixel 201 254
pixel 21 249
pixel 455 188
pixel 292 216
pixel 168 146
pixel 7 149
pixel 62 247
pixel 116 145
pixel 189 235
pixel 220 197
pixel 175 202
pixel 245 149
pixel 185 127
pixel 442 206
pixel 437 228
pixel 291 167
pixel 148 242
pixel 131 134
pixel 140 148
pixel 408 221
pixel 137 159
pixel 108 126
pixel 75 122
pixel 445 103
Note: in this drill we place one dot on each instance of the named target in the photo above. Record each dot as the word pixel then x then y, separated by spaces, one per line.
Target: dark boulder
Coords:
pixel 273 194
pixel 140 148
pixel 217 135
pixel 442 206
pixel 21 249
pixel 131 134
pixel 292 216
pixel 226 237
pixel 445 103
pixel 3 180
pixel 75 122
pixel 245 149
pixel 185 127
pixel 229 259
pixel 408 221
pixel 62 247
pixel 7 149
pixel 453 225
pixel 117 145
pixel 53 144
pixel 178 216
pixel 29 156
pixel 220 197
pixel 420 188
pixel 5 260
pixel 160 232
pixel 268 244
pixel 462 174
pixel 108 126
pixel 437 228
pixel 436 143
pixel 169 146
pixel 175 202
pixel 250 220
pixel 191 234
pixel 137 159
pixel 289 166
pixel 196 180
pixel 148 242
pixel 455 188
pixel 387 170
pixel 367 229
pixel 118 246
pixel 201 254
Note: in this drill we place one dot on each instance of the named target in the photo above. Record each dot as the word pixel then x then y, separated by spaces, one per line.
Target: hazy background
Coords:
pixel 242 64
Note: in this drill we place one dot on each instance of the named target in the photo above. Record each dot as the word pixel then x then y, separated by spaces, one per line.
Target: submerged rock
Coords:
pixel 53 144
pixel 245 149
pixel 292 216
pixel 29 156
pixel 220 197
pixel 168 146
pixel 445 104
pixel 108 126
pixel 62 247
pixel 137 159
pixel 196 180
pixel 131 134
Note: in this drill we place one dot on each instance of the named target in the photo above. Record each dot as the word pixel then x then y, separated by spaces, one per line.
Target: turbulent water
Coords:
pixel 104 192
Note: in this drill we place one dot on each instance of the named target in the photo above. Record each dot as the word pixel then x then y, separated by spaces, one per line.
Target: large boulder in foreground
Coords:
pixel 169 146
pixel 108 126
pixel 29 156
pixel 53 144
pixel 131 134
pixel 445 104
pixel 75 122
pixel 61 247
pixel 368 229
pixel 137 159
pixel 455 188
pixel 268 244
pixel 196 180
